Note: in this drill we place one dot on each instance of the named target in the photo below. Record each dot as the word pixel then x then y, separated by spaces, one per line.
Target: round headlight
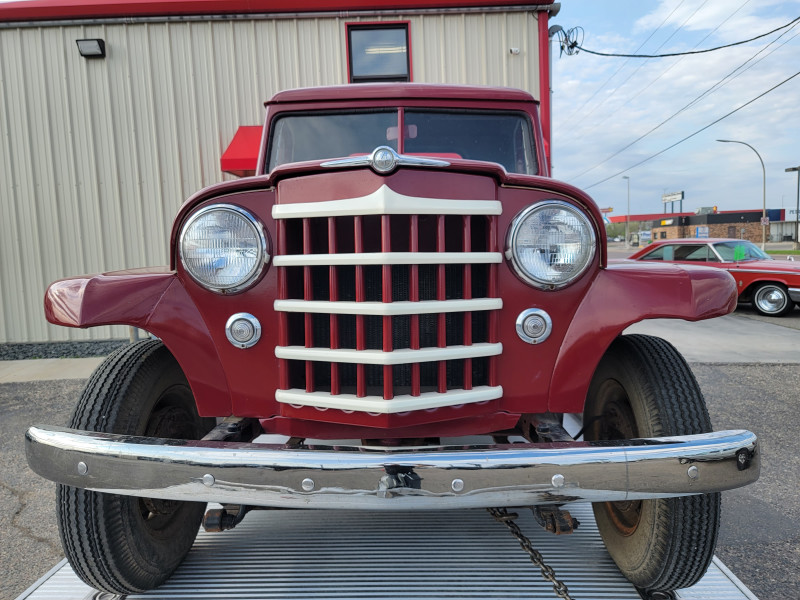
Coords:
pixel 223 248
pixel 550 244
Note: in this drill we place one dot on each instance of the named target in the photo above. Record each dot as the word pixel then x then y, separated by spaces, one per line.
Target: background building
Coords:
pixel 739 224
pixel 99 150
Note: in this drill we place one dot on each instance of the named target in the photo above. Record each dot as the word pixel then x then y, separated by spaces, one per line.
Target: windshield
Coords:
pixel 740 250
pixel 505 138
pixel 317 136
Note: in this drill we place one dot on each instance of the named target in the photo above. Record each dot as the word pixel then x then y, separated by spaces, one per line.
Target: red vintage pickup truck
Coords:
pixel 400 271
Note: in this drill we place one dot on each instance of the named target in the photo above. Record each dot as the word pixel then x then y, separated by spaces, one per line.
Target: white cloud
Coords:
pixel 601 105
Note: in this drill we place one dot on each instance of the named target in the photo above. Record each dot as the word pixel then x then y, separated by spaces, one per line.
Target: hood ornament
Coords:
pixel 385 160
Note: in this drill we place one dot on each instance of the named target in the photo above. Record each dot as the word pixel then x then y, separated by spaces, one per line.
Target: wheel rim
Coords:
pixel 169 419
pixel 618 423
pixel 771 299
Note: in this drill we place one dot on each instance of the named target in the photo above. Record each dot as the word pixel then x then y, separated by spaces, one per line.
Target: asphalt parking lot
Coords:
pixel 752 386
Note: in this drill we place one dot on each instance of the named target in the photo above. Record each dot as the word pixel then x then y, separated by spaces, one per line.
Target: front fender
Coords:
pixel 623 294
pixel 154 300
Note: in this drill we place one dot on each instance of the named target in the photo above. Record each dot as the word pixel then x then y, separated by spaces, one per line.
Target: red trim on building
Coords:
pixel 43 10
pixel 241 156
pixel 544 84
pixel 663 216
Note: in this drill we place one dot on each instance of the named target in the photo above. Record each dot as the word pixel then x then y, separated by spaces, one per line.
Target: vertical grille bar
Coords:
pixel 413 296
pixel 308 294
pixel 494 316
pixel 333 296
pixel 283 318
pixel 386 246
pixel 467 247
pixel 361 341
pixel 441 294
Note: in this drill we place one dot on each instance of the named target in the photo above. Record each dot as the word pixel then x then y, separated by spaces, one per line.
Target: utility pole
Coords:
pixel 628 214
pixel 763 190
pixel 796 245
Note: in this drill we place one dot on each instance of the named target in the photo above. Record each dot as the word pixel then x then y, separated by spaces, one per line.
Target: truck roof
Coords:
pixel 401 91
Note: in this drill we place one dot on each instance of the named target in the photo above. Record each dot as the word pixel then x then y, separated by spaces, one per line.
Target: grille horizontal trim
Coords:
pixel 385 201
pixel 398 404
pixel 388 258
pixel 396 357
pixel 388 309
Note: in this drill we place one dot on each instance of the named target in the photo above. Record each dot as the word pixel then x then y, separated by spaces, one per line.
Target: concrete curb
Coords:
pixel 47 369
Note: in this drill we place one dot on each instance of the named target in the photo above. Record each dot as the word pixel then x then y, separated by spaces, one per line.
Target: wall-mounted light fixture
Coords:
pixel 94 48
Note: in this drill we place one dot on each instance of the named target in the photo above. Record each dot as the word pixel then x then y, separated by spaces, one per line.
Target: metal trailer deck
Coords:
pixel 374 555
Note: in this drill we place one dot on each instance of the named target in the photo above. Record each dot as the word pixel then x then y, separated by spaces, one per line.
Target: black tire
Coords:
pixel 772 300
pixel 644 388
pixel 123 544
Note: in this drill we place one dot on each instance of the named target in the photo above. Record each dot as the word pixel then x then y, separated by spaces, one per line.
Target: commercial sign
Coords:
pixel 673 197
pixel 701 231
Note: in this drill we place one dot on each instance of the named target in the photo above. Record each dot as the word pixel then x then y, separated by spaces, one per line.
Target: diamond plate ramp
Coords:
pixel 408 555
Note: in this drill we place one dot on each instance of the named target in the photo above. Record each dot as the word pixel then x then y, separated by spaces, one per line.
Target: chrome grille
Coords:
pixel 387 311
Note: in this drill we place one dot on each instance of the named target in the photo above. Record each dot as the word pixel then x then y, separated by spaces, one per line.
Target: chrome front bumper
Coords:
pixel 398 479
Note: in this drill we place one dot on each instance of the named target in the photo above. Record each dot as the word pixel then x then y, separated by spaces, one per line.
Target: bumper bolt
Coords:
pixel 457 485
pixel 307 484
pixel 208 480
pixel 557 480
pixel 82 468
pixel 743 458
pixel 693 472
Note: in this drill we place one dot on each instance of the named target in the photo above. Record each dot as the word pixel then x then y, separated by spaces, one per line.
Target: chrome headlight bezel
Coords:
pixel 517 227
pixel 260 262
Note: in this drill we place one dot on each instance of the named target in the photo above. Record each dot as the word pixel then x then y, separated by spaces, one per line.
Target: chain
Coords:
pixel 507 519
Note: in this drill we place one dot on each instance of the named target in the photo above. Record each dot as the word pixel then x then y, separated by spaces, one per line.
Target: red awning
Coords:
pixel 241 156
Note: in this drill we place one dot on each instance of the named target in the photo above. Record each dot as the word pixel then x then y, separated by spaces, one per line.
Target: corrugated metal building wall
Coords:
pixel 96 156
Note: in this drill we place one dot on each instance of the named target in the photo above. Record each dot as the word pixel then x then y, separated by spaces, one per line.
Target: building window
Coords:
pixel 378 52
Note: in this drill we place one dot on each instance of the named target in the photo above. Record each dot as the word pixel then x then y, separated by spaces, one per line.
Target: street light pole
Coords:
pixel 628 214
pixel 763 191
pixel 797 209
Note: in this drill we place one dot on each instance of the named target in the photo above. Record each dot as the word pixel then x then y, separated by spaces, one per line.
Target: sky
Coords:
pixel 603 105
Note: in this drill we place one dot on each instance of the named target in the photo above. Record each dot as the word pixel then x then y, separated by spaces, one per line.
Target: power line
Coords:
pixel 724 81
pixel 641 65
pixel 622 66
pixel 691 135
pixel 570 46
pixel 597 124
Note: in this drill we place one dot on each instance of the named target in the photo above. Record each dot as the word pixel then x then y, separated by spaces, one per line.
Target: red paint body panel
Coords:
pixel 390 93
pixel 624 294
pixel 105 299
pixel 153 300
pixel 455 428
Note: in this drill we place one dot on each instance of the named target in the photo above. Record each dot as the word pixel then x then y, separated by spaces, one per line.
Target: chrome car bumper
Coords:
pixel 399 479
pixel 794 294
